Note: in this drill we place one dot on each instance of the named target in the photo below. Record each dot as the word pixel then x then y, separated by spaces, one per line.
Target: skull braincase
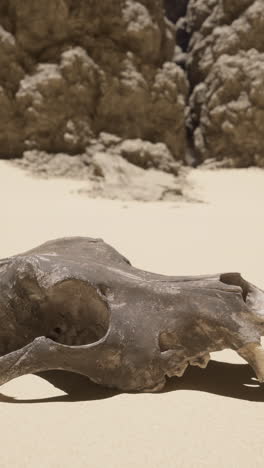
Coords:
pixel 77 304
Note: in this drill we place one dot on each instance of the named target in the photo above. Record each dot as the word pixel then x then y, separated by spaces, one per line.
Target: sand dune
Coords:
pixel 211 418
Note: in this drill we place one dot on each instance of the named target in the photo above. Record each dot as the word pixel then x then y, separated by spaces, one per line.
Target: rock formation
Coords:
pixel 82 78
pixel 226 72
pixel 72 69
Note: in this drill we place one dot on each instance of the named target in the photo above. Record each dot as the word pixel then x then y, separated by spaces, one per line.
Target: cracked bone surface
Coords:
pixel 77 304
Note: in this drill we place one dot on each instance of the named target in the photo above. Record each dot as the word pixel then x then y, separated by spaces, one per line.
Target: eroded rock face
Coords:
pixel 69 72
pixel 226 73
pixel 229 110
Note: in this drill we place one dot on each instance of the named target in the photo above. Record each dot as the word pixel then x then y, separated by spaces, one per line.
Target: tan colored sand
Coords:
pixel 209 418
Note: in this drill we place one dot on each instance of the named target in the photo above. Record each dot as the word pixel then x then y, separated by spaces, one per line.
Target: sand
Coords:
pixel 209 418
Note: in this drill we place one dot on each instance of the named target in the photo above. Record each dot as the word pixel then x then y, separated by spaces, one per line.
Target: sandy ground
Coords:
pixel 209 418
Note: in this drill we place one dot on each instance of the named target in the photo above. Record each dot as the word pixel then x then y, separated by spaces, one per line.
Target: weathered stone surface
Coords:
pixel 229 110
pixel 69 71
pixel 78 305
pixel 115 169
pixel 148 155
pixel 115 178
pixel 222 30
pixel 225 68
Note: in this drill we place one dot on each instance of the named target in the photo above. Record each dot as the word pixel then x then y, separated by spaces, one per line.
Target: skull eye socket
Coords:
pixel 80 311
pixel 71 312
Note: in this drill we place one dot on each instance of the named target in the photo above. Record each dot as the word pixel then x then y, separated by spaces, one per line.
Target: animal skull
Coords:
pixel 76 304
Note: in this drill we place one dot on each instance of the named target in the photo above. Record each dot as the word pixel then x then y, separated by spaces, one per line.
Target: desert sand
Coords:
pixel 208 418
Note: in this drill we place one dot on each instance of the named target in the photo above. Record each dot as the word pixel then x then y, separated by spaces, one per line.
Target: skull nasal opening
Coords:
pixel 236 279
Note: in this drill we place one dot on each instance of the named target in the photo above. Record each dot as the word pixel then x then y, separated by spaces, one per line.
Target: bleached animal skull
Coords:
pixel 76 304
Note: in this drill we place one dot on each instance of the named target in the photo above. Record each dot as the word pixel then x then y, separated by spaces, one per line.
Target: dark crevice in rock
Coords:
pixel 175 9
pixel 182 34
pixel 176 13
